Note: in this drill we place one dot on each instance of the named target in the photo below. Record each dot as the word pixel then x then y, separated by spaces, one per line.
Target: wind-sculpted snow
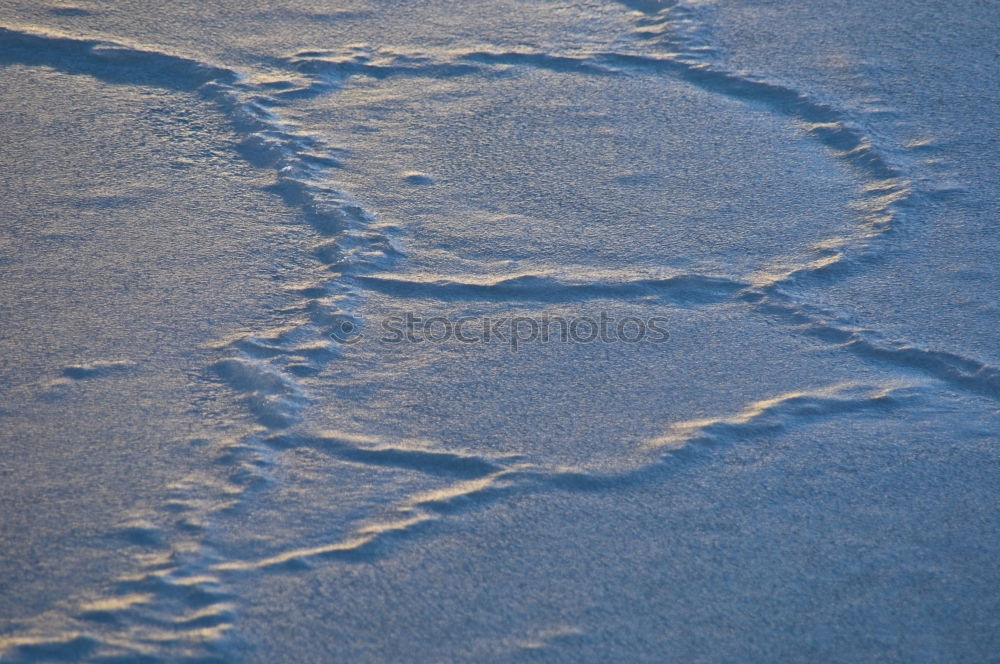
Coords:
pixel 685 288
pixel 118 63
pixel 958 371
pixel 883 189
pixel 414 457
pixel 179 604
pixel 483 480
pixel 171 609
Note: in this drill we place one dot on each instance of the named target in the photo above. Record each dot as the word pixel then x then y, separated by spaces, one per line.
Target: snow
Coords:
pixel 216 450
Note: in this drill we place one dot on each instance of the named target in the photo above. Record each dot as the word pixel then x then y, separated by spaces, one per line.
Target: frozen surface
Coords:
pixel 214 449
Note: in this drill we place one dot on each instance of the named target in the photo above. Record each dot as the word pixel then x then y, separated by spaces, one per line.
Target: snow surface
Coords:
pixel 212 452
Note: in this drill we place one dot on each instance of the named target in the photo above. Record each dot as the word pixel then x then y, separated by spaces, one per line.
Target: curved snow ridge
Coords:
pixel 273 397
pixel 173 609
pixel 483 481
pixel 679 33
pixel 954 369
pixel 689 438
pixel 951 368
pixel 372 540
pixel 885 188
pixel 108 60
pixel 820 120
pixel 267 367
pixel 540 287
pixel 408 455
pixel 304 164
pixel 693 441
pixel 330 69
pixel 177 608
